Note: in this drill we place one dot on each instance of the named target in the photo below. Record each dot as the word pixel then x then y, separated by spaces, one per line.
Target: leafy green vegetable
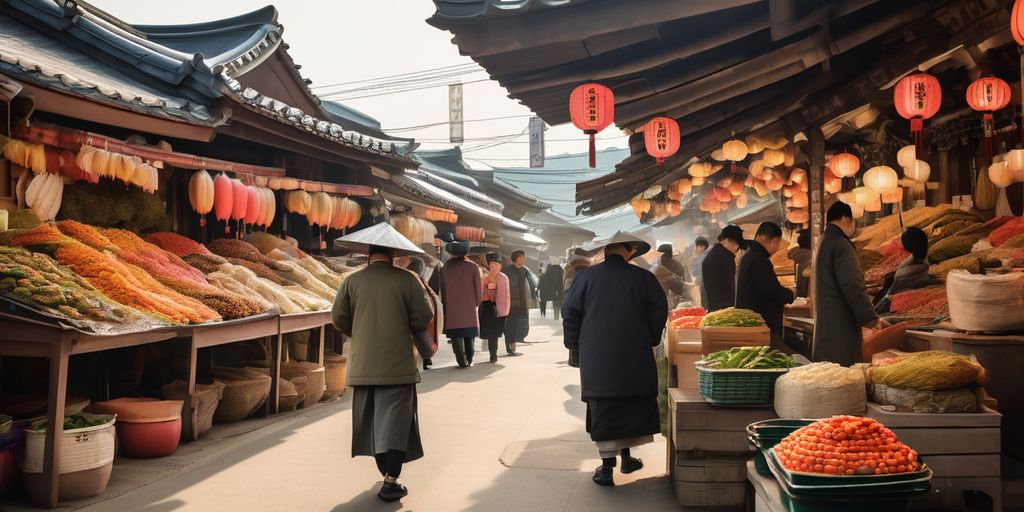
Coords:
pixel 80 420
pixel 732 317
pixel 750 358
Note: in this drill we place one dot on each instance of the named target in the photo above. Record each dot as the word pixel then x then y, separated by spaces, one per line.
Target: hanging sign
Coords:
pixel 536 142
pixel 455 134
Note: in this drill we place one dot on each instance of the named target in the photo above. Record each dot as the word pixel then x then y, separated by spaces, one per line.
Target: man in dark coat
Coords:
pixel 841 301
pixel 551 288
pixel 719 269
pixel 522 292
pixel 614 314
pixel 757 287
pixel 672 276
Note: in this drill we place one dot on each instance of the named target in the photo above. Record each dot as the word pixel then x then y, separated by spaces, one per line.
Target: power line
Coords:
pixel 411 89
pixel 468 65
pixel 442 123
pixel 445 78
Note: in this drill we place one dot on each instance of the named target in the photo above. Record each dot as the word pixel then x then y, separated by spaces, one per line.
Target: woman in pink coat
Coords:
pixel 495 305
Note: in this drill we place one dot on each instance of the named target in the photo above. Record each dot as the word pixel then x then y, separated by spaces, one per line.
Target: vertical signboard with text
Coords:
pixel 536 142
pixel 455 133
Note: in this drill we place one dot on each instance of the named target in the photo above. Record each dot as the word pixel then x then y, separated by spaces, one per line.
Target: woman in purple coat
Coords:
pixel 461 295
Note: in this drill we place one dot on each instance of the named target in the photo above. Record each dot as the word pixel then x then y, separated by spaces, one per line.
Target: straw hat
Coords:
pixel 380 235
pixel 639 245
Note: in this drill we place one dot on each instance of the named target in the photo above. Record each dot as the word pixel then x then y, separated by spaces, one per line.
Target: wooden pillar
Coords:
pixel 57 395
pixel 816 177
pixel 943 193
pixel 273 403
pixel 189 431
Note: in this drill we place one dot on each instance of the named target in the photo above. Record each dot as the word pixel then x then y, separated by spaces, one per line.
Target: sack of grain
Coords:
pixel 820 390
pixel 987 303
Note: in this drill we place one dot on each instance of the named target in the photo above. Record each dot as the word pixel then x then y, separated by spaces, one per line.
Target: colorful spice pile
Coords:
pixel 240 249
pixel 686 318
pixel 846 445
pixel 1008 230
pixel 176 244
pixel 153 259
pixel 36 280
pixel 877 273
pixel 134 288
pixel 909 300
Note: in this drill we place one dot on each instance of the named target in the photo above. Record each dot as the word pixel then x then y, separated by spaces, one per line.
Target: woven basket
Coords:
pixel 737 387
pixel 205 401
pixel 334 371
pixel 313 388
pixel 289 398
pixel 80 449
pixel 245 389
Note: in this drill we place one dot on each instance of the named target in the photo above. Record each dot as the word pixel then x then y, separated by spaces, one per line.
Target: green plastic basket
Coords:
pixel 815 480
pixel 737 387
pixel 764 435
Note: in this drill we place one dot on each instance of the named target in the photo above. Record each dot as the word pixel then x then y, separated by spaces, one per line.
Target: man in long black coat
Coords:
pixel 614 314
pixel 719 269
pixel 841 301
pixel 757 287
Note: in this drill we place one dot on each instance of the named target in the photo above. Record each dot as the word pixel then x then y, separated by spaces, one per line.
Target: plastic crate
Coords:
pixel 737 387
pixel 814 483
pixel 764 435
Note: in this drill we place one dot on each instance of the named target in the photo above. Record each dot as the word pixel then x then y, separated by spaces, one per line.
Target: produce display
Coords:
pixel 749 358
pixel 819 390
pixel 933 370
pixel 176 244
pixel 732 317
pixel 904 302
pixel 110 204
pixel 950 247
pixel 73 421
pixel 846 445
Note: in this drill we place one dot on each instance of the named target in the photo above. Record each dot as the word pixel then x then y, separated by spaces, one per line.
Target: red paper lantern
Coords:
pixel 917 97
pixel 253 208
pixel 661 138
pixel 223 197
pixel 988 94
pixel 592 108
pixel 1017 22
pixel 240 202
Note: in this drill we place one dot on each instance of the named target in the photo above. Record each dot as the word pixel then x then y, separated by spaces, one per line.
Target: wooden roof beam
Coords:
pixel 573 23
pixel 786 22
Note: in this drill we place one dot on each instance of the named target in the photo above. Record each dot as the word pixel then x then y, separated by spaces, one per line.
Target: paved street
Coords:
pixel 505 436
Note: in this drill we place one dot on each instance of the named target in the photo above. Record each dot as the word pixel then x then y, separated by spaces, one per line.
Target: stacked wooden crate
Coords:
pixel 714 339
pixel 683 349
pixel 963 450
pixel 709 451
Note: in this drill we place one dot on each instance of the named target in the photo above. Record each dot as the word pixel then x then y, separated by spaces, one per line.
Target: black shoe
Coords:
pixel 392 491
pixel 494 358
pixel 603 476
pixel 427 363
pixel 631 464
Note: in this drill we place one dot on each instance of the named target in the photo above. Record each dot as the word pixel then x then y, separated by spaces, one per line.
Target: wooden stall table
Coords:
pixel 767 491
pixel 29 337
pixel 221 333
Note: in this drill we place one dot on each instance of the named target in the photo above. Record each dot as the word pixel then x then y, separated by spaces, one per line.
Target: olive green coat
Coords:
pixel 841 302
pixel 379 308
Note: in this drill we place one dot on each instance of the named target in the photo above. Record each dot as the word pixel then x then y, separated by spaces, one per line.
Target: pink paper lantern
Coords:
pixel 223 197
pixel 241 199
pixel 253 208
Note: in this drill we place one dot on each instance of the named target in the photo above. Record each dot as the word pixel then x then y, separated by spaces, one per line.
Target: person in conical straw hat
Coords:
pixel 384 311
pixel 614 314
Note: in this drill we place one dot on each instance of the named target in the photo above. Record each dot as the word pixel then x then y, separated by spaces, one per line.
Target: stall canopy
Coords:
pixel 775 67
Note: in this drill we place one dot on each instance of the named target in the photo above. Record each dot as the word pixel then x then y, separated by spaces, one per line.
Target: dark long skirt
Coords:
pixel 492 326
pixel 609 419
pixel 385 418
pixel 517 326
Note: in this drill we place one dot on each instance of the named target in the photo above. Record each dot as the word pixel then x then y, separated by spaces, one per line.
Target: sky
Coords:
pixel 350 40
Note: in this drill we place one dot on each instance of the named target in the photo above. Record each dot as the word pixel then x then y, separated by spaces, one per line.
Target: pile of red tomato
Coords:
pixel 846 445
pixel 686 318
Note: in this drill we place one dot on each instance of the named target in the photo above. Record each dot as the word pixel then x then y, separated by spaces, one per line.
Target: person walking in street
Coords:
pixel 757 287
pixel 495 304
pixel 840 296
pixel 719 269
pixel 384 312
pixel 461 295
pixel 700 251
pixel 672 276
pixel 521 295
pixel 614 314
pixel 578 260
pixel 551 289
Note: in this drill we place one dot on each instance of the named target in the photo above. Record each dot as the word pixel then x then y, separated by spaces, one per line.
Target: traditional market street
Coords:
pixel 496 436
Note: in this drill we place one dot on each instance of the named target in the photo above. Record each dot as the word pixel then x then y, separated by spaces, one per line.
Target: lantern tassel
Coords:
pixel 917 131
pixel 593 149
pixel 989 124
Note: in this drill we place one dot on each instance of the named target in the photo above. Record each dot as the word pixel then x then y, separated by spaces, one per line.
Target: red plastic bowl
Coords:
pixel 8 467
pixel 149 440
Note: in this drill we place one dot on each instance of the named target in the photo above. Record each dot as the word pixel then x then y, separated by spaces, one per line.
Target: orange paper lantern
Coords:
pixel 253 208
pixel 240 201
pixel 592 109
pixel 1017 22
pixel 844 165
pixel 223 197
pixel 661 138
pixel 988 94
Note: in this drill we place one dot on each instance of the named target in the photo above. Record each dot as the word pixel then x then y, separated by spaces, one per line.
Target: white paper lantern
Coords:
pixel 906 155
pixel 1001 175
pixel 881 178
pixel 864 196
pixel 918 170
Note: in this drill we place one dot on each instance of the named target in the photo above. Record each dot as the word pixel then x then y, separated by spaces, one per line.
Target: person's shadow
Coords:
pixel 368 500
